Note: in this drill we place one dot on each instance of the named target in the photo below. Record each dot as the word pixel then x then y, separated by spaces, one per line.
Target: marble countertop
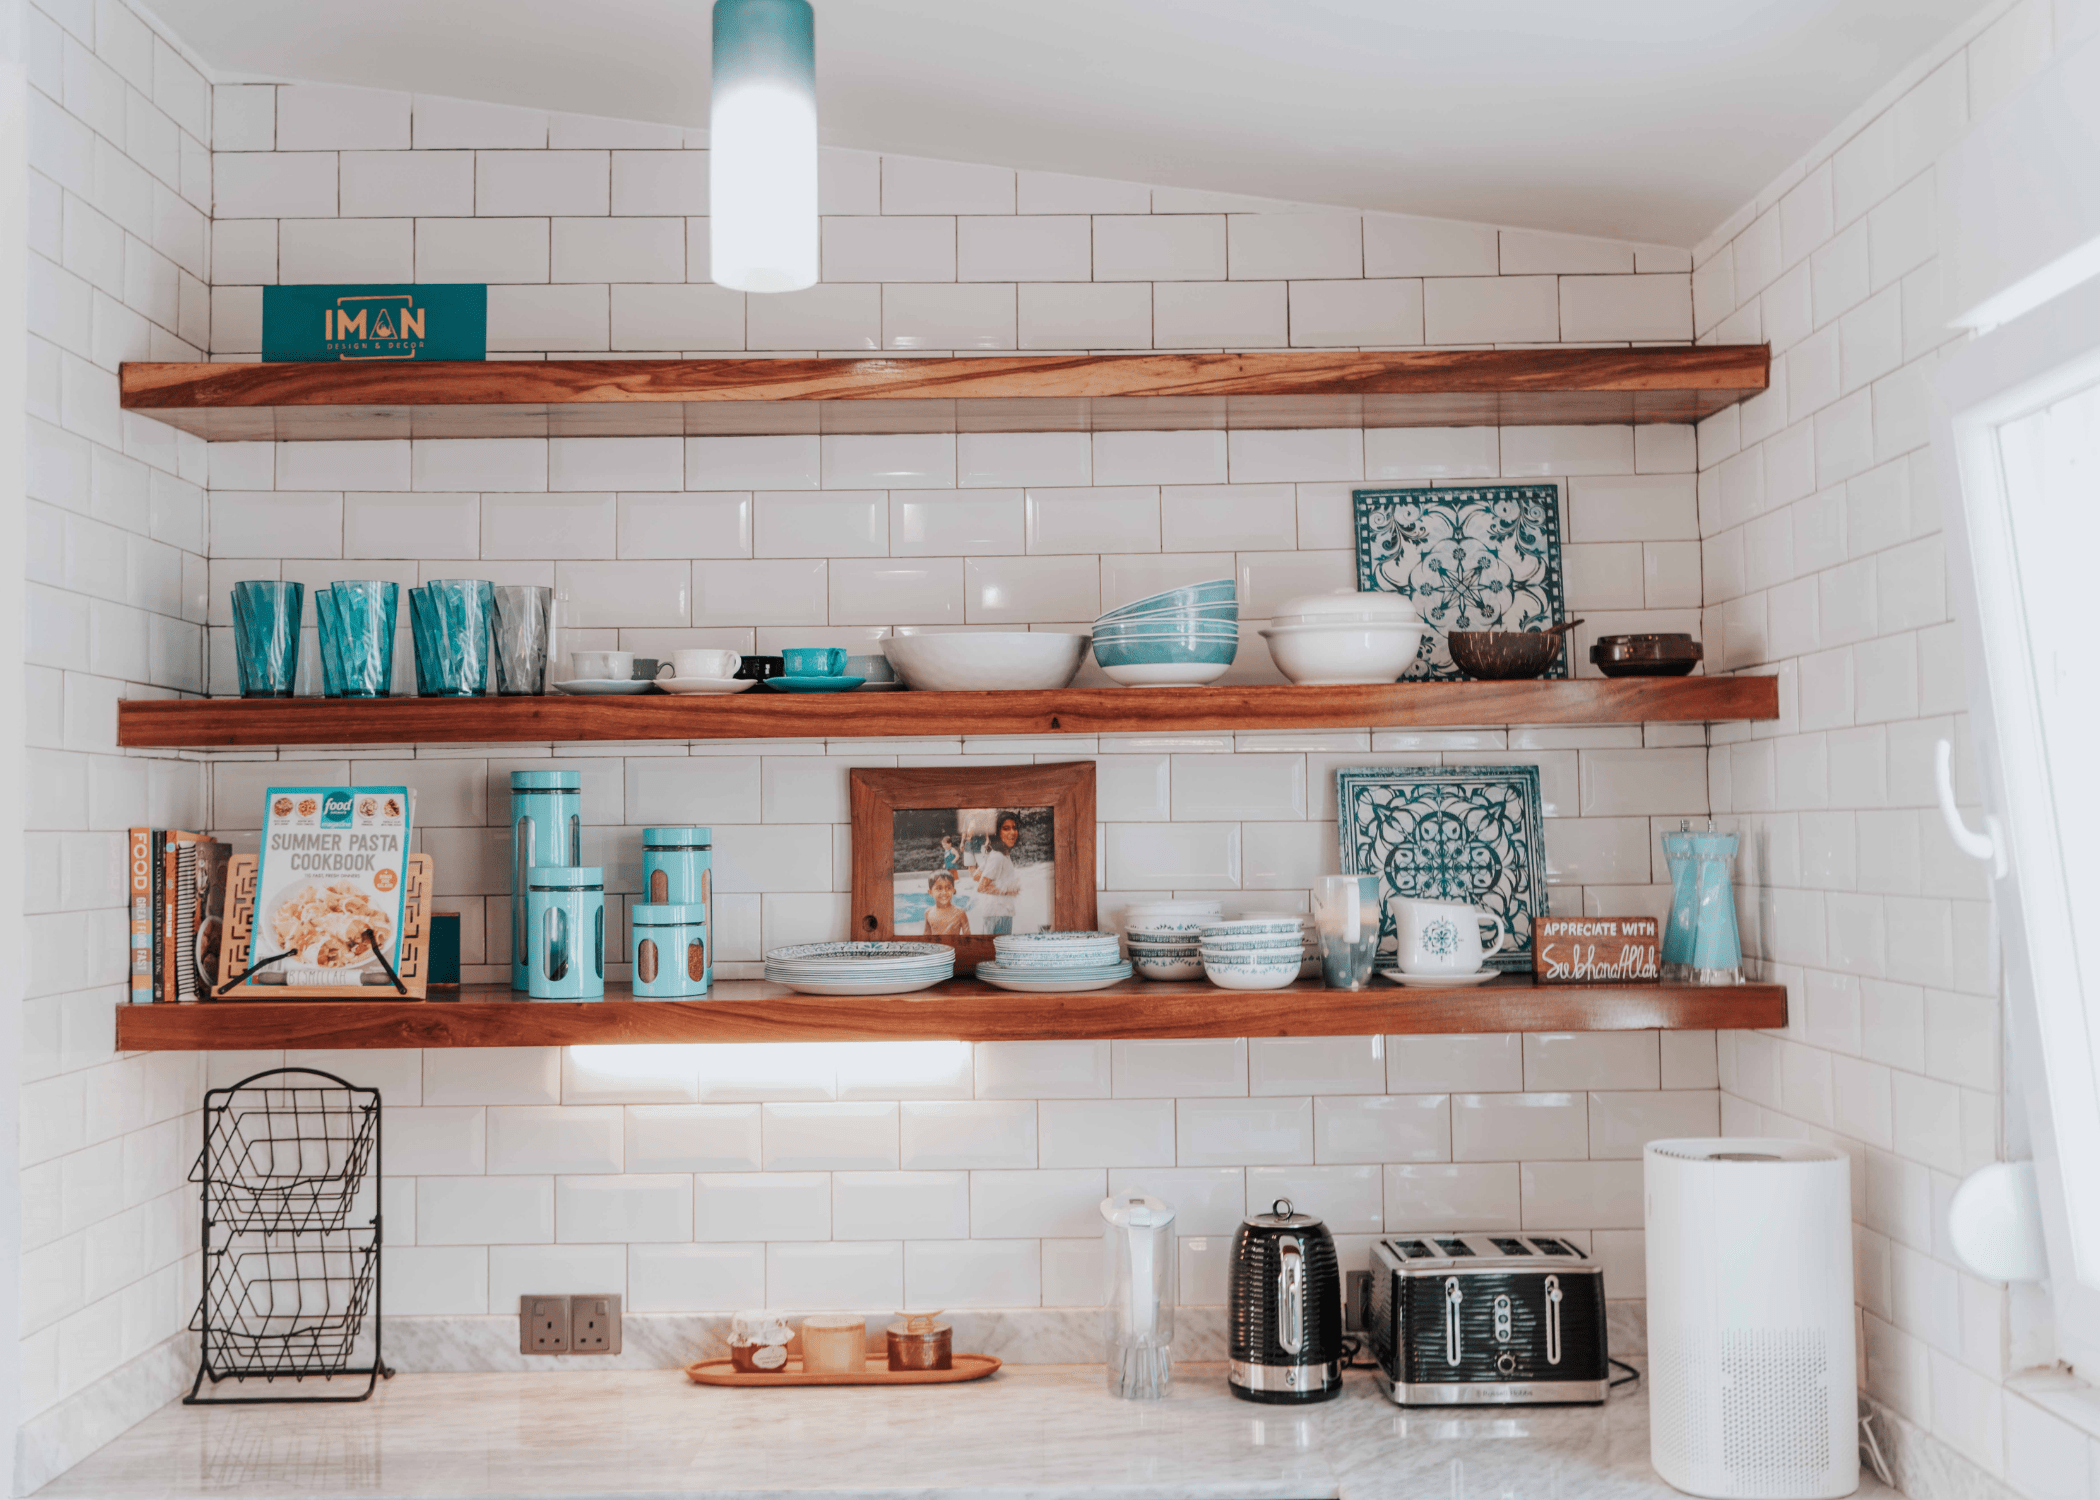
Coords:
pixel 1031 1432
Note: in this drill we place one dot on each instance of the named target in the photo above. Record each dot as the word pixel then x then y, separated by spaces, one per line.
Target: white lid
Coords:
pixel 1351 604
pixel 1136 1211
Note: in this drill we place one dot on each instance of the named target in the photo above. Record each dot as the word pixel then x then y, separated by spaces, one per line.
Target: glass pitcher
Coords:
pixel 1137 1321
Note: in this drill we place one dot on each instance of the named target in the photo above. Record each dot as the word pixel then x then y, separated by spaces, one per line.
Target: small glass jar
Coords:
pixel 758 1343
pixel 834 1344
pixel 565 932
pixel 921 1343
pixel 669 949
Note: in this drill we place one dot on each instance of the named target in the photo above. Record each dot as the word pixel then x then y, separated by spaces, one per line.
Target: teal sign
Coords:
pixel 375 322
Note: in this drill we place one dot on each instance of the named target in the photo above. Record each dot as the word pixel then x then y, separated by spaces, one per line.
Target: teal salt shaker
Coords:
pixel 671 961
pixel 546 828
pixel 565 932
pixel 1700 944
pixel 678 869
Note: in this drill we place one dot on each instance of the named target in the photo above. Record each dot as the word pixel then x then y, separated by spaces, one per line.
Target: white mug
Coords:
pixel 706 663
pixel 1443 937
pixel 601 666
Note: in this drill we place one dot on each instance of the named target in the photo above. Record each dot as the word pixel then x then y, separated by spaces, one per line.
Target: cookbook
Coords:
pixel 331 880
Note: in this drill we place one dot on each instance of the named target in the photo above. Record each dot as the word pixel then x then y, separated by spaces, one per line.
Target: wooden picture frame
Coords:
pixel 973 853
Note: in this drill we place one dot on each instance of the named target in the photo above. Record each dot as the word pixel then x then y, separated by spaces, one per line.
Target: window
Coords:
pixel 2021 430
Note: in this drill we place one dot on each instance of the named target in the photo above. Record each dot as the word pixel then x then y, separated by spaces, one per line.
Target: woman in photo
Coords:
pixel 998 882
pixel 944 918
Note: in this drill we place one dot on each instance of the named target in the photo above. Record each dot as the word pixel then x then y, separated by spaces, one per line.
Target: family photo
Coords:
pixel 972 871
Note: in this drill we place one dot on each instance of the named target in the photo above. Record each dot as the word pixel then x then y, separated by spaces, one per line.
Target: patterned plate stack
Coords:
pixel 1047 962
pixel 860 968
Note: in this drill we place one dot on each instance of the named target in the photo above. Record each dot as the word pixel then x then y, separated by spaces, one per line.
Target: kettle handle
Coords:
pixel 1290 1297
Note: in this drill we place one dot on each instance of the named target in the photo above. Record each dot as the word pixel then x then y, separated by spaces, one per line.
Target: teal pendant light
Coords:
pixel 762 146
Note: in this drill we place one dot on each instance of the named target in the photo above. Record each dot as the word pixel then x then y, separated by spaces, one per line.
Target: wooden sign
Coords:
pixel 1595 950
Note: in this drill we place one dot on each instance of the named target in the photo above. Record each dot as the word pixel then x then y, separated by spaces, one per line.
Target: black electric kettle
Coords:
pixel 1286 1309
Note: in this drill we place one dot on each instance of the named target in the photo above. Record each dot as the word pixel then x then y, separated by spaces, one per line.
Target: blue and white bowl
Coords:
pixel 1245 927
pixel 1252 973
pixel 1210 591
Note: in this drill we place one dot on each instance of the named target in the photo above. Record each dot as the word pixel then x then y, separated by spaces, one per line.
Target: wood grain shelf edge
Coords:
pixel 962 1010
pixel 219 723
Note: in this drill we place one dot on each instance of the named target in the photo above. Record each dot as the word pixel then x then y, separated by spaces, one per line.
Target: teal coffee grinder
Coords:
pixel 1700 945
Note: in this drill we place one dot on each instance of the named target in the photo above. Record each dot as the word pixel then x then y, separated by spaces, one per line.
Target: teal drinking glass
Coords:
pixel 365 611
pixel 331 643
pixel 266 622
pixel 450 619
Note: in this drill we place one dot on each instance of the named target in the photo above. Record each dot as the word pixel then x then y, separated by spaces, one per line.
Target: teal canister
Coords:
pixel 678 866
pixel 565 932
pixel 546 828
pixel 671 961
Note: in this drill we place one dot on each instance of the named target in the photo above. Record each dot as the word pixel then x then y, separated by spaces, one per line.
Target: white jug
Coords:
pixel 1442 938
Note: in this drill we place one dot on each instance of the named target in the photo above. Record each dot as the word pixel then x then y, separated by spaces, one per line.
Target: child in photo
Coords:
pixel 944 918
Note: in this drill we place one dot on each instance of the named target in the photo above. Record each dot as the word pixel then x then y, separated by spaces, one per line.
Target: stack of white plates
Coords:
pixel 860 968
pixel 1046 962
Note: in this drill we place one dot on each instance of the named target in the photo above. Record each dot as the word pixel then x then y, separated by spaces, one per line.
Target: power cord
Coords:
pixel 1628 1378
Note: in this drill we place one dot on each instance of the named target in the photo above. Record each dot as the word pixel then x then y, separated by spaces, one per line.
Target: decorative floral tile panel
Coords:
pixel 1473 557
pixel 1450 833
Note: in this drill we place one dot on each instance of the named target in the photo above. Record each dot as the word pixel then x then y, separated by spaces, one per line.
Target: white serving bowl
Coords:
pixel 1240 927
pixel 987 660
pixel 1167 968
pixel 1265 976
pixel 1168 674
pixel 1331 655
pixel 1349 605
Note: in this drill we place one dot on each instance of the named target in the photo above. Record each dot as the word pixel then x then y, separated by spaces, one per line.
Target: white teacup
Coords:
pixel 706 663
pixel 1443 937
pixel 601 666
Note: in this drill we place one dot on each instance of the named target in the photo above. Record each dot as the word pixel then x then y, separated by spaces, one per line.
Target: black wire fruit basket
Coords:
pixel 291 1232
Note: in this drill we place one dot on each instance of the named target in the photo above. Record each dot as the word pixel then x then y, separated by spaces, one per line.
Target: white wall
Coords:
pixel 709 1178
pixel 117 226
pixel 1821 528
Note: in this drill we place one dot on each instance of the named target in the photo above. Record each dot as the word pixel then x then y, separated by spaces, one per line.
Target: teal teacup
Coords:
pixel 815 661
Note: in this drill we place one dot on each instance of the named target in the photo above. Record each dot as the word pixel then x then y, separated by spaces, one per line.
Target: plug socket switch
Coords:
pixel 543 1325
pixel 594 1324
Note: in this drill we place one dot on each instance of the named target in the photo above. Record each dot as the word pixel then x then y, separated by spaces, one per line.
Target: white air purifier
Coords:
pixel 1752 1390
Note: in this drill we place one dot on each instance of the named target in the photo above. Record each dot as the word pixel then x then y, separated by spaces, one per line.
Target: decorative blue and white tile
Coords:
pixel 1449 833
pixel 1473 557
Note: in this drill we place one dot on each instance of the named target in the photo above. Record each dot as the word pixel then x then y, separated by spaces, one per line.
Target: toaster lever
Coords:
pixel 1552 1320
pixel 1452 1297
pixel 1290 1298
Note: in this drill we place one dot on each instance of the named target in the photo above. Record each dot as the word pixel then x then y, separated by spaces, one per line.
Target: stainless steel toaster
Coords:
pixel 1487 1319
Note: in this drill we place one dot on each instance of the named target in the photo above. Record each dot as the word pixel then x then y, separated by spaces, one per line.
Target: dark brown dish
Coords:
pixel 1645 655
pixel 1505 655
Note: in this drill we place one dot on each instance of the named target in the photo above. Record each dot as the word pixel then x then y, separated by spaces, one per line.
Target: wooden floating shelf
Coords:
pixel 1004 393
pixel 960 1010
pixel 219 723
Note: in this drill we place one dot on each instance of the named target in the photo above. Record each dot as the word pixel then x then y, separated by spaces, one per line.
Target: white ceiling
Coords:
pixel 1642 119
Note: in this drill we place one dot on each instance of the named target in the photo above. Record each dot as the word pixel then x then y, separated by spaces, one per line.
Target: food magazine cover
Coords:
pixel 331 882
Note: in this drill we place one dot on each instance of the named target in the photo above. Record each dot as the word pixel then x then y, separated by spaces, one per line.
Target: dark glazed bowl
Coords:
pixel 1505 655
pixel 1646 655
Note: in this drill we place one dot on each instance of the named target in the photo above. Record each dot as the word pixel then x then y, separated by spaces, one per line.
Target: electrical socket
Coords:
pixel 594 1324
pixel 543 1325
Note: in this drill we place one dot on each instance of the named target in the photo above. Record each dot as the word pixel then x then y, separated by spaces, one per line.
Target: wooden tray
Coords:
pixel 878 1372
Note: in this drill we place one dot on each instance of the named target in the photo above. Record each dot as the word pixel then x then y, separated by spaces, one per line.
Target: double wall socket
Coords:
pixel 569 1325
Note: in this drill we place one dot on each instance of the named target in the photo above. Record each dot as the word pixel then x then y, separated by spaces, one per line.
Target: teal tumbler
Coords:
pixel 449 618
pixel 565 932
pixel 266 624
pixel 360 614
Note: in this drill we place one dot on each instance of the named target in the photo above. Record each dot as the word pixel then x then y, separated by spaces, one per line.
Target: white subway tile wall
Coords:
pixel 707 1178
pixel 1820 524
pixel 119 241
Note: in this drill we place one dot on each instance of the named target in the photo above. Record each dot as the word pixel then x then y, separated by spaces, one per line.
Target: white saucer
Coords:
pixel 878 687
pixel 690 686
pixel 588 687
pixel 1441 981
